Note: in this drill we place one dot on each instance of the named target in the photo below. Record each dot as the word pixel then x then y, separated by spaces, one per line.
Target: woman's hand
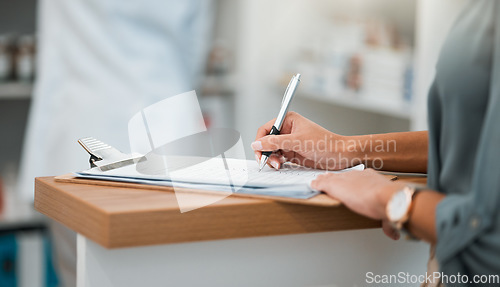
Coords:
pixel 365 192
pixel 302 142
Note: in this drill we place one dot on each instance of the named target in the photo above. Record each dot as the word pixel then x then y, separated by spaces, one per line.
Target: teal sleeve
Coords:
pixel 468 226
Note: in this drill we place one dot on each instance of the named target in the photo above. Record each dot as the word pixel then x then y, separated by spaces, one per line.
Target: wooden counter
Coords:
pixel 124 217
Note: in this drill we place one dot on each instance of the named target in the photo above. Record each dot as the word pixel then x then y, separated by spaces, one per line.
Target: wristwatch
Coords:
pixel 399 207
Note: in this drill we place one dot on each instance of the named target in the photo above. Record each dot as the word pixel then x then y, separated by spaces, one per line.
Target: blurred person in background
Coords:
pixel 458 212
pixel 99 63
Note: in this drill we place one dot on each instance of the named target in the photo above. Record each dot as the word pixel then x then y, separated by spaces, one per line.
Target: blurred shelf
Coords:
pixel 218 85
pixel 15 90
pixel 399 109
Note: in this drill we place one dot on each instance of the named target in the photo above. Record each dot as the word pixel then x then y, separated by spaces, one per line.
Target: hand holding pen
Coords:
pixel 285 103
pixel 293 138
pixel 294 144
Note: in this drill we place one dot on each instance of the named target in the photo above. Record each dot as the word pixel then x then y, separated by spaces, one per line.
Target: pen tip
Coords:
pixel 262 162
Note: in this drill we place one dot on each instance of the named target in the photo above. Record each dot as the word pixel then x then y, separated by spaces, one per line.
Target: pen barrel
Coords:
pixel 274 131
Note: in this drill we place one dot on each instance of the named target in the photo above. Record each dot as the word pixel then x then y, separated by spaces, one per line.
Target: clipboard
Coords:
pixel 123 159
pixel 318 200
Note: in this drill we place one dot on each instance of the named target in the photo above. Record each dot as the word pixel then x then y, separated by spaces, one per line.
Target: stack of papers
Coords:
pixel 218 174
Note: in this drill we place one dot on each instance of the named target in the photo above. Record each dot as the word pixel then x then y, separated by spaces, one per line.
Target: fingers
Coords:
pixel 290 120
pixel 322 182
pixel 262 132
pixel 279 142
pixel 265 129
pixel 326 181
pixel 293 157
pixel 275 160
pixel 286 127
pixel 389 231
pixel 265 144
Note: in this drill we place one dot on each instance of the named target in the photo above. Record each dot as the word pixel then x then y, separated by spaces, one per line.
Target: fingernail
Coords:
pixel 397 235
pixel 275 164
pixel 257 158
pixel 257 145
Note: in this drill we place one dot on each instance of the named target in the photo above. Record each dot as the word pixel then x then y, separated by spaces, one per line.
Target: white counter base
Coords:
pixel 318 259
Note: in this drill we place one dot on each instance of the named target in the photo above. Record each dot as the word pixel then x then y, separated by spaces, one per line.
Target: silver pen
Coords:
pixel 285 103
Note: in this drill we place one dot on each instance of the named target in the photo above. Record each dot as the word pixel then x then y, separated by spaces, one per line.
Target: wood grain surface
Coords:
pixel 124 215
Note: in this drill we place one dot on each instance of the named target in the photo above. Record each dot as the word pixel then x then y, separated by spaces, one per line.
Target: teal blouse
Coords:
pixel 464 143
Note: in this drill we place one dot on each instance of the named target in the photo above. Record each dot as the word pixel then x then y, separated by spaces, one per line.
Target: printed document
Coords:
pixel 217 173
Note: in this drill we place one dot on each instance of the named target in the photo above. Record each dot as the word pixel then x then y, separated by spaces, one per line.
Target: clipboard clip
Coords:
pixel 106 157
pixel 92 146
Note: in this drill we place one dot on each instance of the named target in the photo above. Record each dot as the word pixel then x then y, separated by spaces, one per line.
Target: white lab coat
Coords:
pixel 100 62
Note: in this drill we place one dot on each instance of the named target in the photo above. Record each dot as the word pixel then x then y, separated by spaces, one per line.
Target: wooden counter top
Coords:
pixel 124 217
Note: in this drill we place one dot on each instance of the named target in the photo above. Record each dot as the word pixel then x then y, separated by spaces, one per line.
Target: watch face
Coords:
pixel 398 206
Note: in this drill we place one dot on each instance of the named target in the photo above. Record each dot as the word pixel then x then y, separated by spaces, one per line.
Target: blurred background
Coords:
pixel 366 66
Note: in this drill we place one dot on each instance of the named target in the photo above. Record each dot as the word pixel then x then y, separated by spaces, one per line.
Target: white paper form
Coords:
pixel 290 181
